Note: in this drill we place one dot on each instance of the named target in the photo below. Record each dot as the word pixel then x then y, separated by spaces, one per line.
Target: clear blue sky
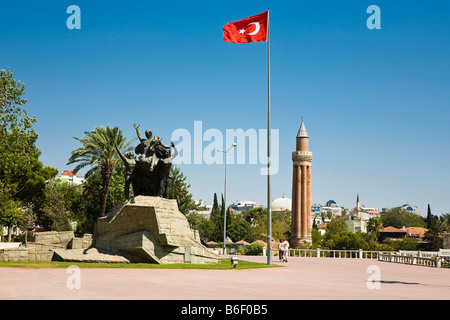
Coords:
pixel 375 102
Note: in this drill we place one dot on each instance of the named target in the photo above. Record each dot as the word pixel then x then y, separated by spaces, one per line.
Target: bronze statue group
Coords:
pixel 149 171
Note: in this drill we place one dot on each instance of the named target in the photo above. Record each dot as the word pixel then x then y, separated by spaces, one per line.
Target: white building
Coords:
pixel 410 208
pixel 331 206
pixel 204 209
pixel 71 177
pixel 281 204
pixel 244 205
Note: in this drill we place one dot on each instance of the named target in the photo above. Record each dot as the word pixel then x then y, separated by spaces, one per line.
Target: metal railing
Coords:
pixel 422 258
pixel 426 254
pixel 415 260
pixel 328 253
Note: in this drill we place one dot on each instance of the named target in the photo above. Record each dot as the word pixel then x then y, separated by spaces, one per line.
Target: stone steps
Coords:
pixel 87 255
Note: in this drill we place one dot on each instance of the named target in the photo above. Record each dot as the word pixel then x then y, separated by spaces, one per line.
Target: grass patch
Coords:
pixel 224 265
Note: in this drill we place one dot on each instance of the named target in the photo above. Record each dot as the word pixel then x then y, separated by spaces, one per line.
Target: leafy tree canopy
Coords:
pixel 22 175
pixel 98 151
pixel 399 218
pixel 179 190
pixel 335 226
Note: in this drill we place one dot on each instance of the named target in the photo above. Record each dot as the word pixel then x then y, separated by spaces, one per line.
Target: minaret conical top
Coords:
pixel 302 131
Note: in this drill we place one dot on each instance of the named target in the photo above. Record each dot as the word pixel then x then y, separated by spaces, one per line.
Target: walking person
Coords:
pixel 286 250
pixel 281 250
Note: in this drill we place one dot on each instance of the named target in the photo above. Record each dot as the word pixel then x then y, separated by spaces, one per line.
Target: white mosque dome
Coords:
pixel 281 204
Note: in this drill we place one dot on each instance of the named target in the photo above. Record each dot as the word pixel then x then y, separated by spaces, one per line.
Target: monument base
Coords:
pixel 298 242
pixel 152 230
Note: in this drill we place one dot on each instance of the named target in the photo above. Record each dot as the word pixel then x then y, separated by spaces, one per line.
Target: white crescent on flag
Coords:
pixel 256 30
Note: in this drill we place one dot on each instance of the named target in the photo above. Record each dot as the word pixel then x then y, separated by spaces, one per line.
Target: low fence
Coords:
pixel 422 258
pixel 426 254
pixel 328 253
pixel 439 258
pixel 415 260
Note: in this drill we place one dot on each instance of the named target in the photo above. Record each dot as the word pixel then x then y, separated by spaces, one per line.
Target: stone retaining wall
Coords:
pixel 53 237
pixel 42 246
pixel 14 254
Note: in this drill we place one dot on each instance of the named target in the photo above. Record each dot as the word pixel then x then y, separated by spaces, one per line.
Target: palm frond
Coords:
pixel 98 148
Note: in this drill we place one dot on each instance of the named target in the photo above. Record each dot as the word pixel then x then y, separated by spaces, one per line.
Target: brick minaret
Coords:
pixel 358 215
pixel 301 190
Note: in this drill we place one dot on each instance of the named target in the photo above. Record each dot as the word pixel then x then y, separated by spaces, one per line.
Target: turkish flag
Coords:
pixel 251 29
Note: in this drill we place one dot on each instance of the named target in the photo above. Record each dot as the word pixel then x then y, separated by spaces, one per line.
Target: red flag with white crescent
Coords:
pixel 251 29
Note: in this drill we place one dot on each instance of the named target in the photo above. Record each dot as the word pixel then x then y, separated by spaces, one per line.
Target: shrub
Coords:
pixel 346 240
pixel 256 249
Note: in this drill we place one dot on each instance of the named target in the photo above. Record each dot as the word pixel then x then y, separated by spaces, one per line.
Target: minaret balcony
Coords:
pixel 301 156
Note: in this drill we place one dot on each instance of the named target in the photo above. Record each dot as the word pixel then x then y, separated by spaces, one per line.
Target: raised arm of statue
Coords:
pixel 175 151
pixel 138 132
pixel 120 154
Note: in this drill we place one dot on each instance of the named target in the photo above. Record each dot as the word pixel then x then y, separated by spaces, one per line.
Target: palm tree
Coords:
pixel 446 218
pixel 98 151
pixel 374 225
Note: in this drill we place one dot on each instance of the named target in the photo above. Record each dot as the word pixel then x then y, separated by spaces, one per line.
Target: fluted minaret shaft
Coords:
pixel 301 190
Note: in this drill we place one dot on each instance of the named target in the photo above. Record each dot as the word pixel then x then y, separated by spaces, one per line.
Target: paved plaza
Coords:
pixel 299 279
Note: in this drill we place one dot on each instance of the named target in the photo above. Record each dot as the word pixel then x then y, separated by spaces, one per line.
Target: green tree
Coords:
pixel 16 136
pixel 374 225
pixel 22 175
pixel 434 223
pixel 399 218
pixel 14 215
pixel 409 244
pixel 435 242
pixel 335 226
pixel 429 217
pixel 85 207
pixel 56 215
pixel 346 240
pixel 10 214
pixel 216 219
pixel 215 208
pixel 316 238
pixel 281 224
pixel 329 214
pixel 201 224
pixel 435 227
pixel 179 190
pixel 239 229
pixel 227 217
pixel 257 217
pixel 98 151
pixel 445 218
pixel 62 203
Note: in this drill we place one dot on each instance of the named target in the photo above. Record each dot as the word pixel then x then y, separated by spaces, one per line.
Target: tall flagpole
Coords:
pixel 269 212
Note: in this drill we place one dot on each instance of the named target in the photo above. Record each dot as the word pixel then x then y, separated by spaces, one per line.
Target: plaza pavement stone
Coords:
pixel 299 279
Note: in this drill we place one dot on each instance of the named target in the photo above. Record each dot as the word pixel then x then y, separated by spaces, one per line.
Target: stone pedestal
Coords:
pixel 153 230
